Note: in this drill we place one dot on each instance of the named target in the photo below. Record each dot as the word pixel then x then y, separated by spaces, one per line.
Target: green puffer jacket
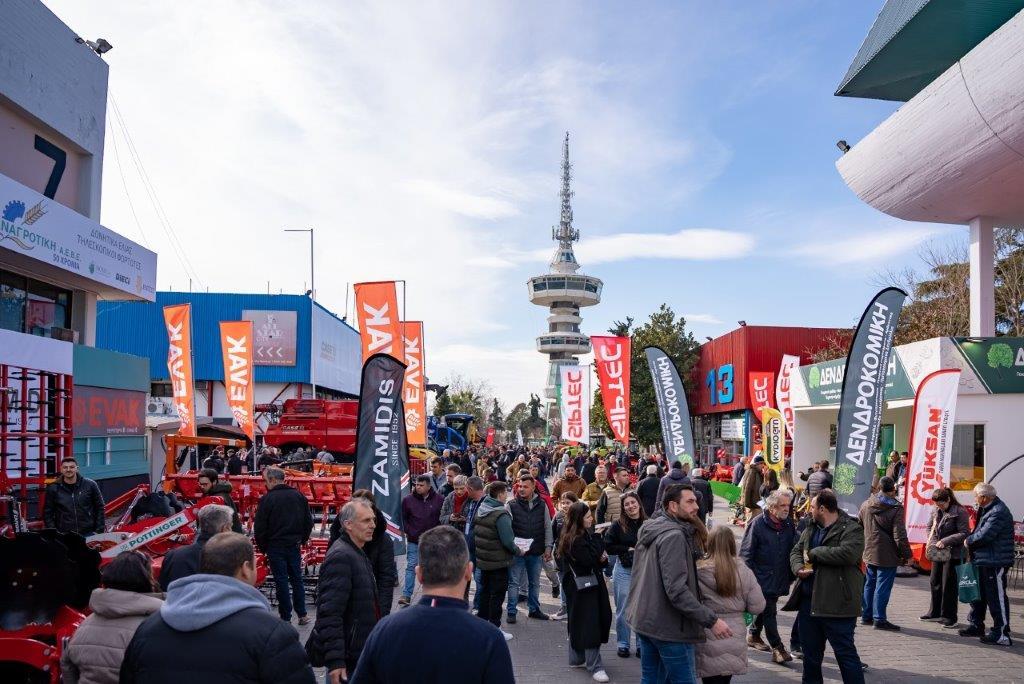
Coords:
pixel 838 581
pixel 493 538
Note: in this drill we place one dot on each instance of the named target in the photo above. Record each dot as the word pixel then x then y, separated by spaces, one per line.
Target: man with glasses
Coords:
pixel 210 485
pixel 421 511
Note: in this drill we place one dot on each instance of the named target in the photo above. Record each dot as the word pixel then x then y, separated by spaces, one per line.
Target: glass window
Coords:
pixel 31 306
pixel 556 283
pixel 967 466
pixel 591 287
pixel 539 286
pixel 12 301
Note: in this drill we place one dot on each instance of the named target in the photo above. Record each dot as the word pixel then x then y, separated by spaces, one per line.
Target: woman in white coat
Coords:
pixel 729 588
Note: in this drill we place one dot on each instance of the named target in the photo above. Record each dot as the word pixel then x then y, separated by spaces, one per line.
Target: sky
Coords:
pixel 422 141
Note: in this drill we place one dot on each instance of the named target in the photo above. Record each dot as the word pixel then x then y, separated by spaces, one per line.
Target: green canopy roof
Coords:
pixel 913 41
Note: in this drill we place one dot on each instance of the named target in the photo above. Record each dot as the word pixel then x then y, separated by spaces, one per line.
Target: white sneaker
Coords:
pixel 508 637
pixel 601 676
pixel 560 615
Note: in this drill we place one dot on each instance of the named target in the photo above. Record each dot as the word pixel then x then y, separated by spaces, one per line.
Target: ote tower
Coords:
pixel 564 291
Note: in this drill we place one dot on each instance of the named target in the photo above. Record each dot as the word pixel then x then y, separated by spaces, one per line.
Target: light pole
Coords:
pixel 312 301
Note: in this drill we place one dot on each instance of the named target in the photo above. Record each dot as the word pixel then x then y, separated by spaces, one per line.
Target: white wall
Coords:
pixel 1003 418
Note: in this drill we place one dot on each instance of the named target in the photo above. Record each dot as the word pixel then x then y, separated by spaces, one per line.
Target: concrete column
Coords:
pixel 982 283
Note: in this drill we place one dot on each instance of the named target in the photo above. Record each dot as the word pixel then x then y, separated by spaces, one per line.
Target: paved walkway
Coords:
pixel 921 652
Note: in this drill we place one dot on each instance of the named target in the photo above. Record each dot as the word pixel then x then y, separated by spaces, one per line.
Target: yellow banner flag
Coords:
pixel 773 430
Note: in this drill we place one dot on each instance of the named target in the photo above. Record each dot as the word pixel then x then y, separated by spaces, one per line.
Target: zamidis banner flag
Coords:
pixel 413 396
pixel 790 366
pixel 236 341
pixel 860 403
pixel 670 395
pixel 574 401
pixel 377 316
pixel 178 321
pixel 382 451
pixel 612 359
pixel 931 448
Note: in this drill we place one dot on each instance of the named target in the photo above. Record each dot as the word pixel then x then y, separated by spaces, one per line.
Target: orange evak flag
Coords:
pixel 236 339
pixel 377 314
pixel 178 320
pixel 413 394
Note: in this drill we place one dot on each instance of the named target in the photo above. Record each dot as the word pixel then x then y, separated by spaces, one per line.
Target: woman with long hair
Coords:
pixel 620 540
pixel 947 530
pixel 729 588
pixel 582 555
pixel 128 595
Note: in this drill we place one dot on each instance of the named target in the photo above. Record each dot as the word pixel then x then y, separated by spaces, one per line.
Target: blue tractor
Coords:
pixel 455 431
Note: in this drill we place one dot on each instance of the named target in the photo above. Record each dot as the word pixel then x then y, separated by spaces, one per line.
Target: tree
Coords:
pixel 465 395
pixel 517 416
pixel 836 346
pixel 497 417
pixel 443 405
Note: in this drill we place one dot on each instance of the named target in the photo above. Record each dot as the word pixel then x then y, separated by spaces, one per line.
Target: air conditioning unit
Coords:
pixel 159 406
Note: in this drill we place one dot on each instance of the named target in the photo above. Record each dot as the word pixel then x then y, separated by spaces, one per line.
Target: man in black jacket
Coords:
pixel 346 602
pixel 283 524
pixel 428 634
pixel 73 503
pixel 647 490
pixel 380 550
pixel 210 484
pixel 703 488
pixel 216 627
pixel 184 561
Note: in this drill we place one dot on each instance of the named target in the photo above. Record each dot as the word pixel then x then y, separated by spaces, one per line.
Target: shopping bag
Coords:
pixel 967 580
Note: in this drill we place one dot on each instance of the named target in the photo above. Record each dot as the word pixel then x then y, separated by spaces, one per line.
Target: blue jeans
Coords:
pixel 620 581
pixel 814 632
pixel 476 595
pixel 877 588
pixel 666 662
pixel 532 565
pixel 286 566
pixel 412 558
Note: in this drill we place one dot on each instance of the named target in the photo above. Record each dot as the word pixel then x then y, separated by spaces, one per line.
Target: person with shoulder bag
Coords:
pixel 586 595
pixel 949 528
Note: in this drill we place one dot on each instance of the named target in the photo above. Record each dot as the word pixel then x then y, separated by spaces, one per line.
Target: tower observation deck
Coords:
pixel 563 290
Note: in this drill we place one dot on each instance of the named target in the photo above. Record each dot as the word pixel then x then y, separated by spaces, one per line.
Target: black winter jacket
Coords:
pixel 705 497
pixel 283 519
pixel 765 550
pixel 182 562
pixel 647 490
pixel 991 543
pixel 381 552
pixel 346 607
pixel 618 541
pixel 74 508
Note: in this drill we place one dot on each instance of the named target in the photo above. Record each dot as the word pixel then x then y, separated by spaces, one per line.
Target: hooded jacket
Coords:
pixel 675 476
pixel 885 532
pixel 837 582
pixel 214 629
pixel 727 656
pixel 765 550
pixel 95 652
pixel 664 599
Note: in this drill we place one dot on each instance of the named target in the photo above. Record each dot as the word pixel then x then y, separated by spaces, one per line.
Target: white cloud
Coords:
pixel 461 202
pixel 868 247
pixel 701 318
pixel 512 372
pixel 695 244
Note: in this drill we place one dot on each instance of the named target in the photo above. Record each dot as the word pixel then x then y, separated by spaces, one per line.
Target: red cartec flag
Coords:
pixel 490 436
pixel 612 358
pixel 762 391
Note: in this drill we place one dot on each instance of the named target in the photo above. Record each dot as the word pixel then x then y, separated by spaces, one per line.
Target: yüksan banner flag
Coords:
pixel 773 430
pixel 612 359
pixel 931 448
pixel 761 384
pixel 489 440
pixel 413 396
pixel 673 411
pixel 860 404
pixel 178 321
pixel 790 366
pixel 377 316
pixel 236 342
pixel 574 401
pixel 382 451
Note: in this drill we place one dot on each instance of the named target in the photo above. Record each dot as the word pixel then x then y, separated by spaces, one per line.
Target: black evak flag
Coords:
pixel 860 408
pixel 382 447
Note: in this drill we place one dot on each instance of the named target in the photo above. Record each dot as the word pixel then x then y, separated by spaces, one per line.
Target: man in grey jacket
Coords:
pixel 664 606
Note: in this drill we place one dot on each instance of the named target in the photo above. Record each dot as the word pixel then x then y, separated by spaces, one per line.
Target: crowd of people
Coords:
pixel 681 591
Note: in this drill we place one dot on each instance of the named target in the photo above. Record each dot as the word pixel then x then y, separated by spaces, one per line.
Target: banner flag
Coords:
pixel 773 430
pixel 574 401
pixel 519 436
pixel 382 451
pixel 670 394
pixel 178 321
pixel 760 384
pixel 860 405
pixel 931 448
pixel 236 341
pixel 413 396
pixel 489 440
pixel 612 358
pixel 790 365
pixel 377 316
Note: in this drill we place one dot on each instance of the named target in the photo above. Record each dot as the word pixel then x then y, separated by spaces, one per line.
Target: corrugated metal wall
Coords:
pixel 746 349
pixel 138 328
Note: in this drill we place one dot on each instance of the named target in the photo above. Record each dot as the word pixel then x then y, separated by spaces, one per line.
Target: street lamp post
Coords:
pixel 312 301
